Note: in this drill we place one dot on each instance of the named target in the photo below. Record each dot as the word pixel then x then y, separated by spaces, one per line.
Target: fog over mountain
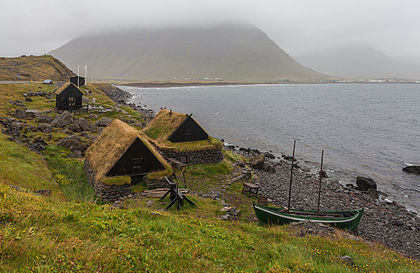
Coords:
pixel 298 26
pixel 360 62
pixel 223 52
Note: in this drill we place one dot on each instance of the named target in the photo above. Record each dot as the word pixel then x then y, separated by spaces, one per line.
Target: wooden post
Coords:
pixel 183 175
pixel 320 180
pixel 291 174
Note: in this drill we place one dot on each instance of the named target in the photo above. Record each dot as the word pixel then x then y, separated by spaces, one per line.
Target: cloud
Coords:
pixel 36 27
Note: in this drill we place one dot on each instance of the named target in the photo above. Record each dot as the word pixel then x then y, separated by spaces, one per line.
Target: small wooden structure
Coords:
pixel 175 195
pixel 250 189
pixel 78 81
pixel 68 97
pixel 179 166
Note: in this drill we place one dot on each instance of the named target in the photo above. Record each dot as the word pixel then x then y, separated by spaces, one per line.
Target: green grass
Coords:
pixel 116 180
pixel 232 156
pixel 139 187
pixel 100 97
pixel 207 170
pixel 25 169
pixel 69 174
pixel 42 235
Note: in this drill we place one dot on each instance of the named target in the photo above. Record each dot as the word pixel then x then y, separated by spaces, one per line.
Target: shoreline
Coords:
pixel 389 223
pixel 169 84
pixel 189 84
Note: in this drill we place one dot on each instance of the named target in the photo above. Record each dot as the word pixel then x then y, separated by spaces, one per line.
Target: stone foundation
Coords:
pixel 195 157
pixel 106 193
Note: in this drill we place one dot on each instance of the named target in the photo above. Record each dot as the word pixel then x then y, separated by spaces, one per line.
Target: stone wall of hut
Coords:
pixel 196 157
pixel 106 193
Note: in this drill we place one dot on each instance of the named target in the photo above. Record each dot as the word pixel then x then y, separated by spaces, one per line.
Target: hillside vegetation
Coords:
pixel 72 231
pixel 219 53
pixel 33 68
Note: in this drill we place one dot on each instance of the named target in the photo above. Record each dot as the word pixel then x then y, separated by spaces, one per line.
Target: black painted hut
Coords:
pixel 180 137
pixel 68 97
pixel 74 80
pixel 188 130
pixel 122 152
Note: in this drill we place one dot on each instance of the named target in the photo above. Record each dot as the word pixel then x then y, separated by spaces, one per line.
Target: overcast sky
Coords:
pixel 297 26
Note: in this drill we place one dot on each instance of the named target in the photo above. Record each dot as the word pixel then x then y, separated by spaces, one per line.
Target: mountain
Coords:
pixel 235 53
pixel 358 62
pixel 36 68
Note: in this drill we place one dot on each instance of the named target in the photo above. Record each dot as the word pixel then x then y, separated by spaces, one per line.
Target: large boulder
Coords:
pixel 257 162
pixel 84 124
pixel 74 127
pixel 366 183
pixel 74 143
pixel 412 169
pixel 24 114
pixel 62 120
pixel 44 118
pixel 32 113
pixel 45 128
pixel 19 113
pixel 103 122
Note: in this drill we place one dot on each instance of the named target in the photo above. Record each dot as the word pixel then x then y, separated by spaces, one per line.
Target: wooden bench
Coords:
pixel 250 189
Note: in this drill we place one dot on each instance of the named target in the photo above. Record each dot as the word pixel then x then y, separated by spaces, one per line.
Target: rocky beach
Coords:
pixel 383 221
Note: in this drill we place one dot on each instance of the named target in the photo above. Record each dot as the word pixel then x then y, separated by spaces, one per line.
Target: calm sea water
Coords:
pixel 365 129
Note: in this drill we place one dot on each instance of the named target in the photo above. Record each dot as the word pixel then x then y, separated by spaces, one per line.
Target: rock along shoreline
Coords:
pixel 383 221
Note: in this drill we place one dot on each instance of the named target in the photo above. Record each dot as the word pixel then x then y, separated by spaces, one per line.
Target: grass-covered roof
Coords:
pixel 111 145
pixel 165 123
pixel 65 86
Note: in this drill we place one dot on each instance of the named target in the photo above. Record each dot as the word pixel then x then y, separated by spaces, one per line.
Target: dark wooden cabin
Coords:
pixel 188 130
pixel 180 137
pixel 137 160
pixel 68 97
pixel 121 150
pixel 74 80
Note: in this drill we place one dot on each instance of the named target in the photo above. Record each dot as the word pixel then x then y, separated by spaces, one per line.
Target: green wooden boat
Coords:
pixel 341 219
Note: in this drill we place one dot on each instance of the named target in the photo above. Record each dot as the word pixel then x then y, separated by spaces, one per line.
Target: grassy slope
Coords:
pixel 35 68
pixel 69 232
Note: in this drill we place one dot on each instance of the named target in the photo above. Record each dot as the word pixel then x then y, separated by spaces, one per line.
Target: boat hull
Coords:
pixel 272 215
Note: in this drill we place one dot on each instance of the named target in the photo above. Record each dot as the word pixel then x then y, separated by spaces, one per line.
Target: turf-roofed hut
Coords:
pixel 120 157
pixel 180 137
pixel 68 97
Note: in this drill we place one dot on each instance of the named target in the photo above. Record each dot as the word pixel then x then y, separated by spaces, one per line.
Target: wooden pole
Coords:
pixel 183 175
pixel 78 73
pixel 320 180
pixel 291 174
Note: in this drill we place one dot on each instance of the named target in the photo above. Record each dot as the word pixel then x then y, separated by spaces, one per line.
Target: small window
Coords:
pixel 72 101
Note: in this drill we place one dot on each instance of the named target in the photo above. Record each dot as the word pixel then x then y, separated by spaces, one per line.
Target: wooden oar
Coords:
pixel 320 180
pixel 291 174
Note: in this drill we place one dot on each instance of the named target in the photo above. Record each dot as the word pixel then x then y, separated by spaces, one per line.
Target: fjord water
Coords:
pixel 365 129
